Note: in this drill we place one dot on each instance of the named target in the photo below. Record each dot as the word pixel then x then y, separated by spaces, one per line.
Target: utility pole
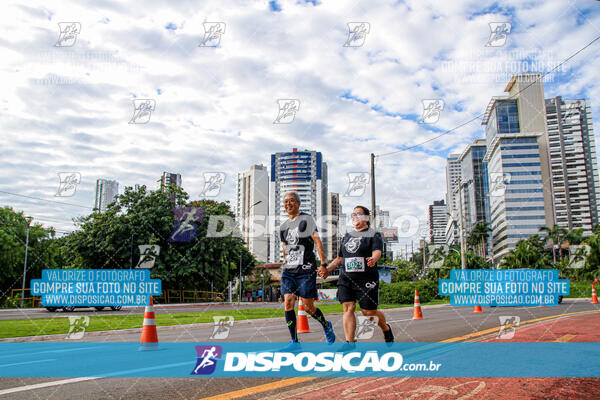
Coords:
pixel 463 258
pixel 25 264
pixel 240 299
pixel 248 212
pixel 373 213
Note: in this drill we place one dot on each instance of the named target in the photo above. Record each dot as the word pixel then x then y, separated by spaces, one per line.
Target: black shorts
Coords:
pixel 301 284
pixel 365 292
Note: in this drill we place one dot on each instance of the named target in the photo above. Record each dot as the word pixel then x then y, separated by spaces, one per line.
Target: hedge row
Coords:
pixel 581 289
pixel 404 292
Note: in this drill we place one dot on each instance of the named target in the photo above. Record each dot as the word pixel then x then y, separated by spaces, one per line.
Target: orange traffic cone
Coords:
pixel 594 298
pixel 477 309
pixel 417 314
pixel 149 335
pixel 302 325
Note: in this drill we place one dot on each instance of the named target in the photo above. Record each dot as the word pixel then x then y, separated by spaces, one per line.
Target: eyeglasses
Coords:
pixel 357 215
pixel 289 201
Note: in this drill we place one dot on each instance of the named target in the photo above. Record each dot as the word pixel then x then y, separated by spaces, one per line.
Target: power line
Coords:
pixel 50 201
pixel 481 115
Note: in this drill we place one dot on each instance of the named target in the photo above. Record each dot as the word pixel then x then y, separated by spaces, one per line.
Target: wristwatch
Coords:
pixel 324 265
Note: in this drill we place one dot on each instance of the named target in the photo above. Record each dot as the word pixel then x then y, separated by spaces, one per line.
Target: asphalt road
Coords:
pixel 439 323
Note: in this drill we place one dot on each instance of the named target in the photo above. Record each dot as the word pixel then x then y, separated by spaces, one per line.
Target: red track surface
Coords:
pixel 584 328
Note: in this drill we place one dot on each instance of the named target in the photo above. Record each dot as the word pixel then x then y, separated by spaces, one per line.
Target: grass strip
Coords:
pixel 60 325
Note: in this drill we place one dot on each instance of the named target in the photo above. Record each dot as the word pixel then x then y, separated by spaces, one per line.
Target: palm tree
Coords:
pixel 527 254
pixel 575 236
pixel 593 258
pixel 556 234
pixel 478 237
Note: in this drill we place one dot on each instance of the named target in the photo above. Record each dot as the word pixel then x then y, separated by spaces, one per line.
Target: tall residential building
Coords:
pixel 106 192
pixel 303 172
pixel 573 162
pixel 333 225
pixel 475 180
pixel 169 178
pixel 518 164
pixel 453 175
pixel 438 219
pixel 382 218
pixel 252 210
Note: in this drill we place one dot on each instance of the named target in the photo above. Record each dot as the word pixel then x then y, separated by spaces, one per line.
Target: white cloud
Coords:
pixel 67 109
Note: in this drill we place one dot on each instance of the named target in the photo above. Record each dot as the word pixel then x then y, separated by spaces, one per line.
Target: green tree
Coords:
pixel 575 236
pixel 592 265
pixel 406 271
pixel 528 253
pixel 556 235
pixel 110 240
pixel 477 239
pixel 41 250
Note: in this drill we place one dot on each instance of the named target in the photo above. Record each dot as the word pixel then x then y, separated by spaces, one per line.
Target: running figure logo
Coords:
pixel 68 183
pixel 353 244
pixel 142 110
pixel 187 220
pixel 68 33
pixel 212 34
pixel 77 327
pixel 365 327
pixel 148 254
pixel 287 111
pixel 357 34
pixel 212 184
pixel 498 182
pixel 508 326
pixel 207 359
pixel 357 183
pixel 223 324
pixel 578 257
pixel 432 108
pixel 499 34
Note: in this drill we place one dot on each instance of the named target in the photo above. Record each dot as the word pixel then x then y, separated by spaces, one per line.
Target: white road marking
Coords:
pixel 44 385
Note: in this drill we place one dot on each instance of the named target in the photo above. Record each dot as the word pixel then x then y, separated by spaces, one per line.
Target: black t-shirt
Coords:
pixel 355 247
pixel 299 245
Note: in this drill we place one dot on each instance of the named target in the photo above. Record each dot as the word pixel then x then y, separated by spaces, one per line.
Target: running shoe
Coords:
pixel 388 335
pixel 348 346
pixel 292 347
pixel 329 334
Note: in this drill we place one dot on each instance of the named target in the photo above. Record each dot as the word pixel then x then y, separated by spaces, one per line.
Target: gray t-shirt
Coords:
pixel 299 244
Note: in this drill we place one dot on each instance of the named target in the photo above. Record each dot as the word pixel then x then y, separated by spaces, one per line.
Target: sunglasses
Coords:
pixel 353 215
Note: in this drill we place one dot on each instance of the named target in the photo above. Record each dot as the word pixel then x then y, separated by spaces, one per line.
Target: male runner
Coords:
pixel 299 236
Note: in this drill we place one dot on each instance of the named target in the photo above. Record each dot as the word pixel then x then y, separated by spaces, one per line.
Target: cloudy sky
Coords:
pixel 67 101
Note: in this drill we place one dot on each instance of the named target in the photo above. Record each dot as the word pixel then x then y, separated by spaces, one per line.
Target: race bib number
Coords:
pixel 294 258
pixel 354 264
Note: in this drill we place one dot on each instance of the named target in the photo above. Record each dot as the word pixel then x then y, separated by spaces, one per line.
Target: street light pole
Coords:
pixel 263 287
pixel 25 263
pixel 373 211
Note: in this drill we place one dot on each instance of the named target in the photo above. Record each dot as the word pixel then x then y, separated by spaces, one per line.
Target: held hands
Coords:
pixel 323 272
